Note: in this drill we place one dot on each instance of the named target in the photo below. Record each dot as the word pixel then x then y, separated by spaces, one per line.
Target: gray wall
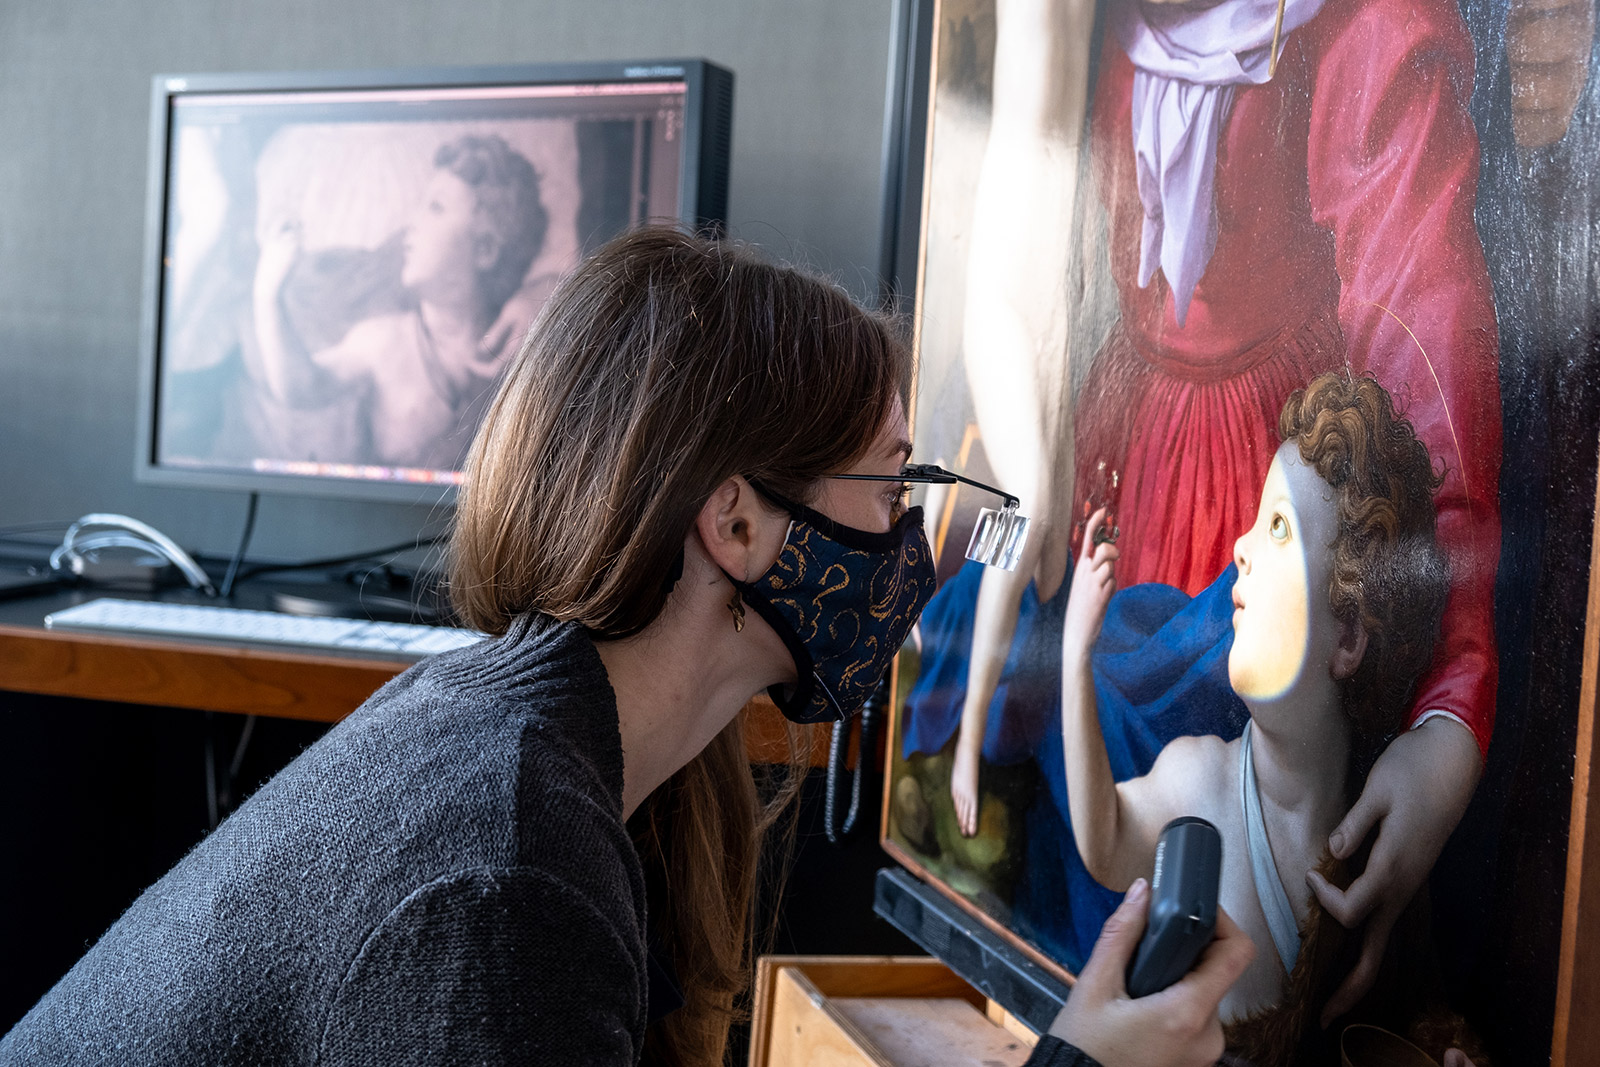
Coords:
pixel 74 86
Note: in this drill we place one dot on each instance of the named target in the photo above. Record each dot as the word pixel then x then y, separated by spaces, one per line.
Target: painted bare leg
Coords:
pixel 1015 333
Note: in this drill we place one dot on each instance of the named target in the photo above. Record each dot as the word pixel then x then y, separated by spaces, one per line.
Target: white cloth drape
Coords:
pixel 1187 62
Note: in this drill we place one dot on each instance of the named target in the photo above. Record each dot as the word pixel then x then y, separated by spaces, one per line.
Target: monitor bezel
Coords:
pixel 702 195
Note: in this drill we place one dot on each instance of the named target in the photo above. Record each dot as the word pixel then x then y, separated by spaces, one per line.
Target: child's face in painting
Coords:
pixel 439 239
pixel 1282 620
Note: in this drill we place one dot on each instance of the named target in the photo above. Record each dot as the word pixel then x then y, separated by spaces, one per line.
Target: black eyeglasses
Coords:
pixel 932 474
pixel 999 535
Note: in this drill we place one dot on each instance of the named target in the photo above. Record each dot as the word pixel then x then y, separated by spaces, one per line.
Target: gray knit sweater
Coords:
pixel 444 878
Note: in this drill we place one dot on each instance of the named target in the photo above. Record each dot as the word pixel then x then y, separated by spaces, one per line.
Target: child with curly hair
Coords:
pixel 1337 591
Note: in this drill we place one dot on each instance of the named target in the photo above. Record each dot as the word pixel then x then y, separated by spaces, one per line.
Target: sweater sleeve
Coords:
pixel 492 966
pixel 1393 167
pixel 1053 1052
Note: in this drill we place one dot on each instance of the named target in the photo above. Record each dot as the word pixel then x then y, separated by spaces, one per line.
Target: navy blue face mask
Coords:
pixel 843 601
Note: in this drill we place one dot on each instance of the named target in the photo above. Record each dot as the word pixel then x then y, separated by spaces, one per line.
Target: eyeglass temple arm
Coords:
pixel 932 473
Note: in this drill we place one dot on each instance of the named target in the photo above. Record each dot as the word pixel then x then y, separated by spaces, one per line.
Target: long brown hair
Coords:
pixel 1389 574
pixel 664 365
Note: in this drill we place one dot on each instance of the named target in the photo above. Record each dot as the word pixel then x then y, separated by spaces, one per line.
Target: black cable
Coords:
pixel 13 543
pixel 238 753
pixel 29 552
pixel 211 771
pixel 33 527
pixel 244 541
pixel 335 561
pixel 244 572
pixel 871 719
pixel 228 798
pixel 221 797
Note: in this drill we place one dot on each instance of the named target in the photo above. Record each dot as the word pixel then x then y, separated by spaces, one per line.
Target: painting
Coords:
pixel 1283 321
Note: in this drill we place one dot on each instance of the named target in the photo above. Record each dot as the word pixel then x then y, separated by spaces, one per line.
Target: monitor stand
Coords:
pixel 375 595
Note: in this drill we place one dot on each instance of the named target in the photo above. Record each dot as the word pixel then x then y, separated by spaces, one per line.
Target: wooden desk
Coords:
pixel 208 676
pixel 322 686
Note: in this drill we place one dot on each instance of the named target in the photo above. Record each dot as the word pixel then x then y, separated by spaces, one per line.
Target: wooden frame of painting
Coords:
pixel 1138 238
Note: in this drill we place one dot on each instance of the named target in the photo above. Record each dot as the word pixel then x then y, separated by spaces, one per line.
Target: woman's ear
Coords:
pixel 741 534
pixel 1348 654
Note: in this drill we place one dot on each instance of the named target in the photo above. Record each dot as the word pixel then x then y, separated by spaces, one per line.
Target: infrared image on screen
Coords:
pixel 346 273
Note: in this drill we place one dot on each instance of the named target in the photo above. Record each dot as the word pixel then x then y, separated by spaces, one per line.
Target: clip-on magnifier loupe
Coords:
pixel 1001 533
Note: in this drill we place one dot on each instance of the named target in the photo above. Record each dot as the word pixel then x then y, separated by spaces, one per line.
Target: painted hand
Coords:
pixel 1178 1026
pixel 1414 797
pixel 501 340
pixel 1094 579
pixel 280 247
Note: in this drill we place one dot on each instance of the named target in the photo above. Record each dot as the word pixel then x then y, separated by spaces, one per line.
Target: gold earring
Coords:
pixel 736 606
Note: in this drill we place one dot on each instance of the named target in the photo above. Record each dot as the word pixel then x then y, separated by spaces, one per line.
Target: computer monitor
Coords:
pixel 339 265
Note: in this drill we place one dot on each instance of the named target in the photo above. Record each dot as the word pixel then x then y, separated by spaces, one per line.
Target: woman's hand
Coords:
pixel 1094 579
pixel 1178 1026
pixel 1414 797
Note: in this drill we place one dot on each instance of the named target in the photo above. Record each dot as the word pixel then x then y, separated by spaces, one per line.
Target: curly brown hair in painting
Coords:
pixel 1389 576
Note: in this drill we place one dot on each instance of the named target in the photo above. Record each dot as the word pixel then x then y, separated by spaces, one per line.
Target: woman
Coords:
pixel 449 875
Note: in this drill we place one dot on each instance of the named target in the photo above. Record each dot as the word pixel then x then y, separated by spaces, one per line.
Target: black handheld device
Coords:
pixel 1183 905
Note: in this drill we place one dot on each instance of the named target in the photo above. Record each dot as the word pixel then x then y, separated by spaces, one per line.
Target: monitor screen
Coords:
pixel 342 265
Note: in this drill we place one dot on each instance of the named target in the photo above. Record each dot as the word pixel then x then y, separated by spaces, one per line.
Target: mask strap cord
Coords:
pixel 838 749
pixel 830 802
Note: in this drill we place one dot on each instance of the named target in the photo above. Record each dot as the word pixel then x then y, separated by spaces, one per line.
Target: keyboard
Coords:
pixel 243 626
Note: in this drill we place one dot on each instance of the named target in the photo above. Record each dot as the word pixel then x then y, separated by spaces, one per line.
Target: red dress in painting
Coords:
pixel 1344 196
